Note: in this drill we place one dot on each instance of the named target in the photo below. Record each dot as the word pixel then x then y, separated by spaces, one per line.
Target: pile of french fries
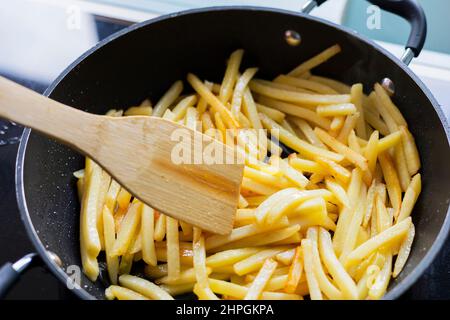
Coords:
pixel 329 221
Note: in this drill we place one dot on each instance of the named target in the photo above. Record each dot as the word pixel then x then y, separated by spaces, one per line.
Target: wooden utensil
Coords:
pixel 137 152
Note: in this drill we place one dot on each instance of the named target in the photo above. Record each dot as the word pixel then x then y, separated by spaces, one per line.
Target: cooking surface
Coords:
pixel 14 243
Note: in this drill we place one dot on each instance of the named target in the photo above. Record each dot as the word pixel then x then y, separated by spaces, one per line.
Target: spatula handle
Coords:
pixel 50 117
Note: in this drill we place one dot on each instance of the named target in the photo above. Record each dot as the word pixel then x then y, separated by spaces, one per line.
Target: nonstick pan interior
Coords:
pixel 143 61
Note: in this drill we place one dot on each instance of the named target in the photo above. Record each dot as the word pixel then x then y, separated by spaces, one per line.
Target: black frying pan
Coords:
pixel 143 60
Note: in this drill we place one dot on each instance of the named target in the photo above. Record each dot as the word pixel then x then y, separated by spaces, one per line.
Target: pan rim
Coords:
pixel 400 288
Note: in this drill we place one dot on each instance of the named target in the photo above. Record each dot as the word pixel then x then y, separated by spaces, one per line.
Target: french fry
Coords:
pixel 334 169
pixel 257 187
pixel 177 289
pixel 353 229
pixel 231 74
pixel 249 108
pixel 397 231
pixel 297 97
pixel 353 142
pixel 293 175
pixel 304 165
pixel 411 153
pixel 185 276
pixel 392 181
pixel 215 241
pixel 261 280
pixel 241 84
pixel 401 166
pixel 349 124
pixel 202 105
pixel 410 198
pixel 337 146
pixel 371 151
pixel 144 287
pixel 334 110
pixel 334 84
pixel 110 237
pixel 315 61
pixel 88 216
pixel 286 204
pixel 389 106
pixel 286 257
pixel 356 97
pixel 404 252
pixel 282 86
pixel 324 283
pixel 273 113
pixel 139 111
pixel 160 227
pixel 201 274
pixel 334 267
pixel 173 247
pixel 168 98
pixel 229 257
pixel 89 262
pixel 308 260
pixel 179 111
pixel 370 203
pixel 376 122
pixel 308 132
pixel 213 101
pixel 147 238
pixel 239 292
pixel 121 293
pixel 353 191
pixel 296 111
pixel 305 84
pixel 267 238
pixel 154 272
pixel 127 230
pixel 263 210
pixel 295 143
pixel 336 124
pixel 123 199
pixel 255 261
pixel 126 263
pixel 295 272
pixel 381 282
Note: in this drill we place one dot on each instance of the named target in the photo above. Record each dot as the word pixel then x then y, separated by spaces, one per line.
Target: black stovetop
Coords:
pixel 40 284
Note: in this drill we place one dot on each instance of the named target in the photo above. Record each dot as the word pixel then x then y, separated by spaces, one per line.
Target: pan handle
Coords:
pixel 10 272
pixel 407 9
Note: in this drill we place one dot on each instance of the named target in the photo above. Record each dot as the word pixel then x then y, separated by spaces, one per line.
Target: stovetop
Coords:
pixel 14 243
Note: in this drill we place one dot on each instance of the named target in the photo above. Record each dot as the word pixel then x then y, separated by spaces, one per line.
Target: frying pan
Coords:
pixel 143 60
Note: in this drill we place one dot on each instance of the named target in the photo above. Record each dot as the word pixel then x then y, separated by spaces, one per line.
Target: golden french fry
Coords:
pixel 241 84
pixel 127 230
pixel 341 148
pixel 121 293
pixel 384 238
pixel 297 97
pixel 261 280
pixel 144 287
pixel 315 61
pixel 392 181
pixel 404 252
pixel 139 111
pixel 296 111
pixel 305 84
pixel 231 74
pixel 168 98
pixel 335 110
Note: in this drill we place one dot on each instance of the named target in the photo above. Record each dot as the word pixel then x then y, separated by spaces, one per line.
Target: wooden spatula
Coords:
pixel 137 152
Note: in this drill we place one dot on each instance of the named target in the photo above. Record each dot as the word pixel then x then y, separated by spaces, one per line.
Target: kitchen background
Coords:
pixel 40 38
